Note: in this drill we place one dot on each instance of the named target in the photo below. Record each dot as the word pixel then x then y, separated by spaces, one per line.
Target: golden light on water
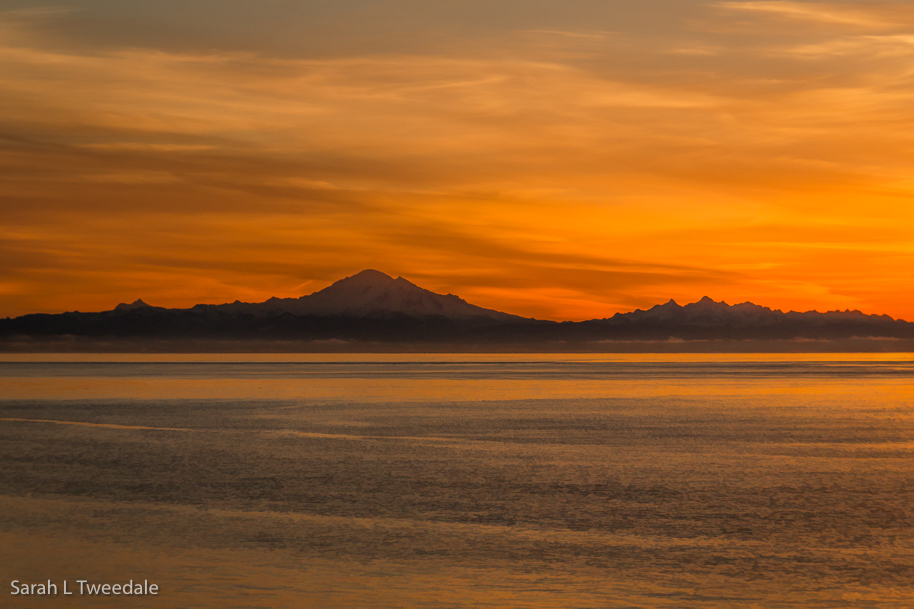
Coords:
pixel 545 480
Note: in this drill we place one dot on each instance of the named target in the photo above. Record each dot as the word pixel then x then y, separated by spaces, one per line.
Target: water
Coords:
pixel 461 480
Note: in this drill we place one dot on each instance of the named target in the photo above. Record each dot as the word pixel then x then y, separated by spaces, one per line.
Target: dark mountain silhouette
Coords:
pixel 133 306
pixel 370 294
pixel 711 320
pixel 373 307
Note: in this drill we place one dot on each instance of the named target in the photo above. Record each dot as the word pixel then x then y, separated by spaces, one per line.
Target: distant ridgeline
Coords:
pixel 373 307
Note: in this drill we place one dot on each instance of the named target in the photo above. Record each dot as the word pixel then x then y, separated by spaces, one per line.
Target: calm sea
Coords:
pixel 366 481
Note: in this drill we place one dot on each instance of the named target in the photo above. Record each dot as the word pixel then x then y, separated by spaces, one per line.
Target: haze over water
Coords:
pixel 462 480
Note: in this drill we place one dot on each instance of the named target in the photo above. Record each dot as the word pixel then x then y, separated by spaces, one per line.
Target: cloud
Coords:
pixel 569 179
pixel 872 47
pixel 857 15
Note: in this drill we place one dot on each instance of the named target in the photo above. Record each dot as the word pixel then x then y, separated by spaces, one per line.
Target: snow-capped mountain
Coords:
pixel 372 293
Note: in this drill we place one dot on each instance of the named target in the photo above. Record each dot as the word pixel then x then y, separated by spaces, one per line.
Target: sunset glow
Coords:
pixel 564 163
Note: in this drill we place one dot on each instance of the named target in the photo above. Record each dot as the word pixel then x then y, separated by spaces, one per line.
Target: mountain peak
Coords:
pixel 136 304
pixel 708 304
pixel 369 277
pixel 373 293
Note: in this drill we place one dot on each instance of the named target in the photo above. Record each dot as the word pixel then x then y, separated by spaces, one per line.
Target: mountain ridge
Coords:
pixel 708 309
pixel 371 306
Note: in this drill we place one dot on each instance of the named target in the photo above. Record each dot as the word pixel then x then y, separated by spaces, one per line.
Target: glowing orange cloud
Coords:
pixel 550 172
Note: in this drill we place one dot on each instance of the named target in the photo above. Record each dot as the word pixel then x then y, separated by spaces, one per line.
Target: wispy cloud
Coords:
pixel 882 46
pixel 859 15
pixel 554 179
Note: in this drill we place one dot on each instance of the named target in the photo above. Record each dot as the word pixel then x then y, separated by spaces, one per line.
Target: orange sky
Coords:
pixel 563 162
